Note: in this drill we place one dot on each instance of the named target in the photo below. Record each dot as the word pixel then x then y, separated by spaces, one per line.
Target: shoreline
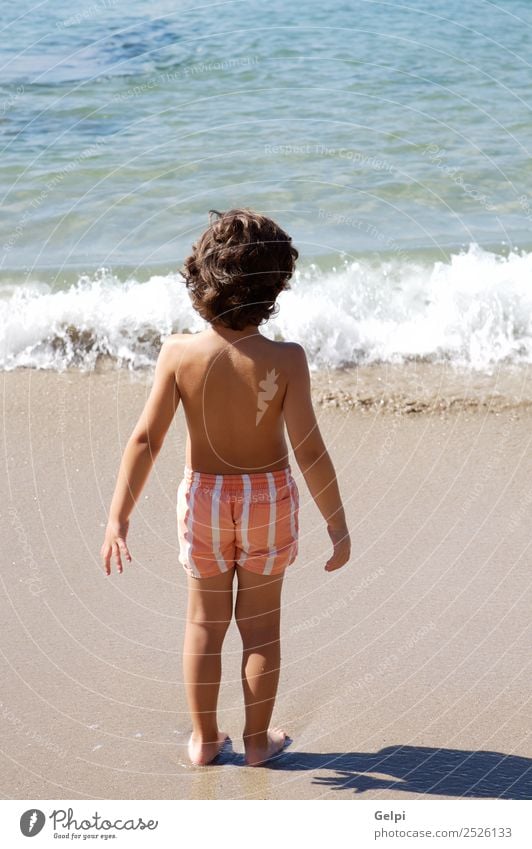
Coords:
pixel 424 388
pixel 411 388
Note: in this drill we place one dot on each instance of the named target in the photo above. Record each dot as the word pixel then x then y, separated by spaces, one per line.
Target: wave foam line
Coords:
pixel 474 310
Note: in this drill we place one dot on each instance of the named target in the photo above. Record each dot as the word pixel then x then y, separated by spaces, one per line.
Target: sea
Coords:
pixel 392 140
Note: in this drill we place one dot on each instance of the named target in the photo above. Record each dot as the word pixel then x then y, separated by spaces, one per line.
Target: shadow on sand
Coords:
pixel 416 769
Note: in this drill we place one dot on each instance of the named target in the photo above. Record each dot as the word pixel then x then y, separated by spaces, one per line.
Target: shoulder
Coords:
pixel 169 346
pixel 175 343
pixel 175 339
pixel 184 338
pixel 171 352
pixel 290 350
pixel 294 349
pixel 294 355
pixel 292 359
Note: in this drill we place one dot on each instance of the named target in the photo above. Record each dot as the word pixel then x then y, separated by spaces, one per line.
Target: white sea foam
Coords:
pixel 98 316
pixel 475 310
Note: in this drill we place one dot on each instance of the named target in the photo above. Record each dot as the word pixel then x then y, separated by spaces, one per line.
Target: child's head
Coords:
pixel 238 267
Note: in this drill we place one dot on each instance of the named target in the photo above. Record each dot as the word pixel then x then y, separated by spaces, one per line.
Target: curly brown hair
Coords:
pixel 238 267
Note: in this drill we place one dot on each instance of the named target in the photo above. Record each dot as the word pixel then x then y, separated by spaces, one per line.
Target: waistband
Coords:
pixel 257 480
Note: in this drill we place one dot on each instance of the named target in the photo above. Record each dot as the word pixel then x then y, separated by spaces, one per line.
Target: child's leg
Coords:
pixel 258 618
pixel 209 611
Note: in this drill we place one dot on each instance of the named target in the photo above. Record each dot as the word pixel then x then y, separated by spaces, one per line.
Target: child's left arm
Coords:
pixel 139 455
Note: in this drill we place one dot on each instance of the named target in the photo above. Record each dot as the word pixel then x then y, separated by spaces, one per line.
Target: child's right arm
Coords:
pixel 311 454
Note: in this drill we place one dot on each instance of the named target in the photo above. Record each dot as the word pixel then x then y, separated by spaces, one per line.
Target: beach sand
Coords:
pixel 405 675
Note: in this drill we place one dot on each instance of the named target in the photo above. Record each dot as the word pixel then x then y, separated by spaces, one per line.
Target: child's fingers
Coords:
pixel 116 551
pixel 105 554
pixel 332 565
pixel 340 558
pixel 124 549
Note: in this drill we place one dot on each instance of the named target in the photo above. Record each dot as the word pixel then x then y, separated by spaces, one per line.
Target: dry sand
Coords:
pixel 405 675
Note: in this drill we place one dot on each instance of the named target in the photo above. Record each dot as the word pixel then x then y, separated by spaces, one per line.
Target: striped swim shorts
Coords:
pixel 248 519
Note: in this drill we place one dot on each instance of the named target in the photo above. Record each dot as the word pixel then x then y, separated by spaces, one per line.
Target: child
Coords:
pixel 237 505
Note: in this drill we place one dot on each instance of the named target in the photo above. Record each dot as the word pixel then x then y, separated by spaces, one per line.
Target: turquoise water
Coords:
pixel 389 134
pixel 323 117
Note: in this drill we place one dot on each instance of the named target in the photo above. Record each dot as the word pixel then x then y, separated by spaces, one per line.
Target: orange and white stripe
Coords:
pixel 246 519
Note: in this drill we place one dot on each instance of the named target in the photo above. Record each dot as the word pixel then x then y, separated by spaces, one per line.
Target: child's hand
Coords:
pixel 115 543
pixel 342 548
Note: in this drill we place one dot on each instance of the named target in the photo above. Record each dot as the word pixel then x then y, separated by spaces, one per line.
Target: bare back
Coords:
pixel 232 390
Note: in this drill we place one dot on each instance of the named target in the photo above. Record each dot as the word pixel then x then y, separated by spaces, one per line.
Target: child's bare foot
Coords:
pixel 261 750
pixel 202 753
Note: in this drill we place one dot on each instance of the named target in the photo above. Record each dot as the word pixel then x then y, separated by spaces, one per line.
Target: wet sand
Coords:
pixel 405 675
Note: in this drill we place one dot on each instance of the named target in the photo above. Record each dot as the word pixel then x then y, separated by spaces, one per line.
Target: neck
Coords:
pixel 229 333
